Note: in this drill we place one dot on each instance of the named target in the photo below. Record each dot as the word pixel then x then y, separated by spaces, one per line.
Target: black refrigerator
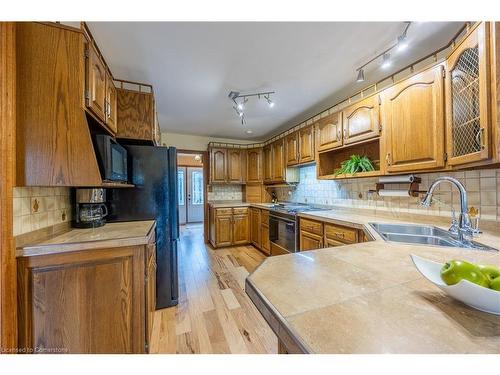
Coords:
pixel 153 171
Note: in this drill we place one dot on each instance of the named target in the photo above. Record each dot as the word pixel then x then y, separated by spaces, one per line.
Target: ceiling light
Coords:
pixel 269 101
pixel 248 131
pixel 402 43
pixel 361 75
pixel 240 113
pixel 241 105
pixel 386 61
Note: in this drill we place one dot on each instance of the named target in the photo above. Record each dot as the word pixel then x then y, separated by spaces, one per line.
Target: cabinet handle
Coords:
pixel 338 135
pixel 388 158
pixel 345 133
pixel 481 139
pixel 339 234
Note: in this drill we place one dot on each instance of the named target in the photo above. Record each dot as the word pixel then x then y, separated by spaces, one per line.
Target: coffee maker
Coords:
pixel 90 208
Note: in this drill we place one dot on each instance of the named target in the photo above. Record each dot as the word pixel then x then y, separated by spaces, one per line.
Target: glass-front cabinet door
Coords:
pixel 468 95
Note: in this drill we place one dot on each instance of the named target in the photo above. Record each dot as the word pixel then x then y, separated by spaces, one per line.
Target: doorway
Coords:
pixel 190 181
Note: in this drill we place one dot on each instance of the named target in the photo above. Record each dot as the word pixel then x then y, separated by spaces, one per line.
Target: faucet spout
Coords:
pixel 463 228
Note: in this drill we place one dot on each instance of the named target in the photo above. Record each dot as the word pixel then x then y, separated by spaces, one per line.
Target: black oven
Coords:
pixel 282 233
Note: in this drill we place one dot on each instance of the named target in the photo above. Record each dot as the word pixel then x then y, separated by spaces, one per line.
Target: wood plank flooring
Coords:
pixel 214 314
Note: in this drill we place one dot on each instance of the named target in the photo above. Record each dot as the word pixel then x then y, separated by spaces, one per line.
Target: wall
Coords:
pixel 40 207
pixel 194 142
pixel 225 193
pixel 483 187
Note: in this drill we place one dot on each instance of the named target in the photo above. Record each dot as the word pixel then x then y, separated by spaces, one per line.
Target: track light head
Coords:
pixel 386 61
pixel 361 75
pixel 402 43
pixel 269 101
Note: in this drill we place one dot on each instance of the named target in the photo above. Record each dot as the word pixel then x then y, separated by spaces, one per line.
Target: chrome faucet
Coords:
pixel 461 227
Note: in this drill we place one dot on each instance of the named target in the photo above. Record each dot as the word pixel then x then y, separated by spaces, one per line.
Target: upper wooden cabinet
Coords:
pixel 96 83
pixel 218 165
pixel 292 149
pixel 278 161
pixel 329 132
pixel 111 112
pixel 53 141
pixel 235 165
pixel 227 165
pixel 413 122
pixel 268 163
pixel 306 145
pixel 361 120
pixel 254 165
pixel 469 135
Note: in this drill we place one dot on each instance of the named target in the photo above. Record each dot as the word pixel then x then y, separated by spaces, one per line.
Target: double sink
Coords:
pixel 423 235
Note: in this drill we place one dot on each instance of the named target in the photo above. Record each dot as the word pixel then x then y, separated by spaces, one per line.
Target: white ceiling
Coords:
pixel 193 66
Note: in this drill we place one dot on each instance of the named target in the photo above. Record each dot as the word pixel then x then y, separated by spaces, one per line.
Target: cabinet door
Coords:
pixel 361 121
pixel 292 149
pixel 306 145
pixel 254 165
pixel 223 230
pixel 111 105
pixel 268 162
pixel 329 132
pixel 96 84
pixel 218 165
pixel 467 99
pixel 255 227
pixel 240 229
pixel 333 243
pixel 413 113
pixel 278 161
pixel 150 290
pixel 310 241
pixel 266 244
pixel 235 165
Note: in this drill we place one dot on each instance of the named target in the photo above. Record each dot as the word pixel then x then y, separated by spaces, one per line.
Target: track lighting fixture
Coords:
pixel 386 61
pixel 399 46
pixel 361 75
pixel 239 106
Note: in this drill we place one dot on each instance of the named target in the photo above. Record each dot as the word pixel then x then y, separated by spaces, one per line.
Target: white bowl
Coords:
pixel 476 296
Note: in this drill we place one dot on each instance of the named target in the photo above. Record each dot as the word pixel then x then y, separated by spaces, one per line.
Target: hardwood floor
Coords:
pixel 214 314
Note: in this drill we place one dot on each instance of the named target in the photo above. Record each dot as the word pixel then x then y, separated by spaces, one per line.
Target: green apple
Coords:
pixel 491 272
pixel 456 270
pixel 495 284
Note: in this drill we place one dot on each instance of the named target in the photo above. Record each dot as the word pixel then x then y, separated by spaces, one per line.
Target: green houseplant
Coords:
pixel 356 163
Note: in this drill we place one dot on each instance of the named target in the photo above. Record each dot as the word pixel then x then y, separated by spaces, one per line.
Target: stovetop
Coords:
pixel 291 208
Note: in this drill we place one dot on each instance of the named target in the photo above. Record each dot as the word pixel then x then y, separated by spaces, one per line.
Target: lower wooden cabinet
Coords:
pixel 310 241
pixel 265 243
pixel 240 229
pixel 89 301
pixel 229 226
pixel 223 230
pixel 255 226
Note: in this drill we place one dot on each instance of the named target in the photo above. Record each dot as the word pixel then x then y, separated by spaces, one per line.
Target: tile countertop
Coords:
pixel 370 298
pixel 129 233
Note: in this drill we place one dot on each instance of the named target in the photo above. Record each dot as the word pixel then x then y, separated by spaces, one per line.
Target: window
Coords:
pixel 197 187
pixel 180 186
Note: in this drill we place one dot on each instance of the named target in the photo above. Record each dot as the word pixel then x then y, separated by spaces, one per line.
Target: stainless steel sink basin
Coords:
pixel 423 235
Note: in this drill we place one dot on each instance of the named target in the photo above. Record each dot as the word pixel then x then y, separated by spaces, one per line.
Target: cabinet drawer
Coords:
pixel 341 233
pixel 311 226
pixel 223 211
pixel 240 210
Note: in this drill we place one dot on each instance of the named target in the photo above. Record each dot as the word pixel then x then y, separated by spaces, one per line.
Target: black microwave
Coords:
pixel 112 158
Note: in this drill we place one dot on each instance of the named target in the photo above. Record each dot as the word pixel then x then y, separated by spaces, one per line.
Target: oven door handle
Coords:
pixel 282 219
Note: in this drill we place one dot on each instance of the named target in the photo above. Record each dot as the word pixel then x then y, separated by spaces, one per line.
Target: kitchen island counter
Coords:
pixel 369 297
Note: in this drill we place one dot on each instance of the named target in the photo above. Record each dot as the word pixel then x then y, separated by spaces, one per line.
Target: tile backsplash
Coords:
pixel 40 207
pixel 225 193
pixel 483 188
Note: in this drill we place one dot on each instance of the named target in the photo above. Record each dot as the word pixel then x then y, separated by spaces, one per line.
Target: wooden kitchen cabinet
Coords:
pixel 265 242
pixel 240 228
pixel 468 90
pixel 413 118
pixel 150 290
pixel 361 120
pixel 340 233
pixel 306 145
pixel 329 132
pixel 97 75
pixel 136 117
pixel 235 165
pixel 278 161
pixel 255 227
pixel 89 301
pixel 268 164
pixel 218 166
pixel 111 106
pixel 254 165
pixel 223 230
pixel 53 143
pixel 310 241
pixel 292 149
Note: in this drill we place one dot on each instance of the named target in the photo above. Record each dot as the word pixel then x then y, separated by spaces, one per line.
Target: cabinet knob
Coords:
pixel 388 158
